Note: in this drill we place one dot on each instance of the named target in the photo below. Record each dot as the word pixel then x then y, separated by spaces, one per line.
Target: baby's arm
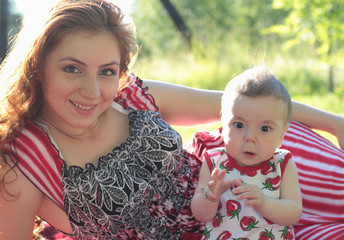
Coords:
pixel 283 211
pixel 204 204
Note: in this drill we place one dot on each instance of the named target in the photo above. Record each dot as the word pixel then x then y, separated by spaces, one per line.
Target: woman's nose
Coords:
pixel 90 87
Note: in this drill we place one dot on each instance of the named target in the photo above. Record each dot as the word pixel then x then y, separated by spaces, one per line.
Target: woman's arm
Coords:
pixel 180 105
pixel 210 187
pixel 19 202
pixel 319 119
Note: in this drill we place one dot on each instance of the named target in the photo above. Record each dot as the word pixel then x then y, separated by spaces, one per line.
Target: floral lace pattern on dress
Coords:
pixel 134 192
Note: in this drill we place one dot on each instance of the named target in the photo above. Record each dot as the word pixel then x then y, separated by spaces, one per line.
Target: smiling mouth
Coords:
pixel 86 108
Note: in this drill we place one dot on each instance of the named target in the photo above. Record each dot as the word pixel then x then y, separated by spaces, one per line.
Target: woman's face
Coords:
pixel 81 77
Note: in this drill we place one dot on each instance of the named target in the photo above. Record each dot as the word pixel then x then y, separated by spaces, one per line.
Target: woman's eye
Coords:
pixel 71 69
pixel 239 125
pixel 265 128
pixel 107 72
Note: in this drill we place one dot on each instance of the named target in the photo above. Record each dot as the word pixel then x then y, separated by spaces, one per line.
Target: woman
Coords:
pixel 91 167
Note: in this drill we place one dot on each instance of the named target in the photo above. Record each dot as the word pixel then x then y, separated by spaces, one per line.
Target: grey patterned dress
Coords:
pixel 140 190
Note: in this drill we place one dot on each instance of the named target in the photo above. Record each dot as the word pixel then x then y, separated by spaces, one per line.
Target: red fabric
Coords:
pixel 135 96
pixel 319 162
pixel 321 174
pixel 38 160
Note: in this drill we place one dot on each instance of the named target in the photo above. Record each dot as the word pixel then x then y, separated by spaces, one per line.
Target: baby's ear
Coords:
pixel 282 135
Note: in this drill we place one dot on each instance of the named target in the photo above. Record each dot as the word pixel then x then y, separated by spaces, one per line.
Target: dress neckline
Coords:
pixel 115 106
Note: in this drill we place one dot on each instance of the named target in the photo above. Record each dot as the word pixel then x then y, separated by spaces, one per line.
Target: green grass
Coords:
pixel 328 102
pixel 305 80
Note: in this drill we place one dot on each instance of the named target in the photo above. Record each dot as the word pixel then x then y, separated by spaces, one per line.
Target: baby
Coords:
pixel 249 188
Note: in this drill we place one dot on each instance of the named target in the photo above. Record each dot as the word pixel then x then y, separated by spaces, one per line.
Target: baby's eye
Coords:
pixel 265 128
pixel 107 72
pixel 239 125
pixel 71 69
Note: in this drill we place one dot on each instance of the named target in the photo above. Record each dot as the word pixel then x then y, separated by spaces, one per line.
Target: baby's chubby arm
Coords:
pixel 210 187
pixel 283 211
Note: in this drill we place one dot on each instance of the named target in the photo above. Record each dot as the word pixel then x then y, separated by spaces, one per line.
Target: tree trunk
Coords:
pixel 3 28
pixel 178 21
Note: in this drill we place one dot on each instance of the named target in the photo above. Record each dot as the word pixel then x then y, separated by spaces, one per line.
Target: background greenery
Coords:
pixel 300 40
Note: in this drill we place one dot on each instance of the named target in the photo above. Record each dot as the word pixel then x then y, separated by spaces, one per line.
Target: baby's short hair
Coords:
pixel 257 82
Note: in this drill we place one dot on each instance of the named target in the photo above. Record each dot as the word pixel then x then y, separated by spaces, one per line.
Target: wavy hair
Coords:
pixel 20 89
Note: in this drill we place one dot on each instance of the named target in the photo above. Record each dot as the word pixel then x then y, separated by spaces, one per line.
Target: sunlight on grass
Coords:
pixel 329 102
pixel 328 136
pixel 188 132
pixel 305 80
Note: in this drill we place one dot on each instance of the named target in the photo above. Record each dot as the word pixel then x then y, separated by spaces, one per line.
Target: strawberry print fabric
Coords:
pixel 234 220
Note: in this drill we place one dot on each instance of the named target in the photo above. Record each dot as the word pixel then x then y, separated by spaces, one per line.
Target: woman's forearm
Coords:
pixel 319 119
pixel 181 105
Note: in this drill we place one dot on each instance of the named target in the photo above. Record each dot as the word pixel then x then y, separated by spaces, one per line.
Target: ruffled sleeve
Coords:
pixel 135 96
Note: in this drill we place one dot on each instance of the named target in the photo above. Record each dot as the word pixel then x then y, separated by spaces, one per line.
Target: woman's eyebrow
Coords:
pixel 110 63
pixel 84 64
pixel 73 59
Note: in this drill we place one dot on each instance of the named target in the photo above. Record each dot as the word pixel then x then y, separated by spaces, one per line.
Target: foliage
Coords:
pixel 228 37
pixel 319 23
pixel 326 101
pixel 215 25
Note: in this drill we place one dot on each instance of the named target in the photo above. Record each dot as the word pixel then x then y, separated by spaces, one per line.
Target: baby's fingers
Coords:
pixel 218 175
pixel 239 182
pixel 229 184
pixel 256 203
pixel 247 195
pixel 246 188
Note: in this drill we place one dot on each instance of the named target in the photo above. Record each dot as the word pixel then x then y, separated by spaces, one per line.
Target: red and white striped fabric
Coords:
pixel 134 96
pixel 321 174
pixel 320 165
pixel 39 161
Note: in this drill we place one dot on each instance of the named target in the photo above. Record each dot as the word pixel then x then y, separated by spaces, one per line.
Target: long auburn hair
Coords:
pixel 20 89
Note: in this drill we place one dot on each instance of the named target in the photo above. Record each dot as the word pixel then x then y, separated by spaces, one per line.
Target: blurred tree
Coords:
pixel 3 28
pixel 215 25
pixel 318 22
pixel 178 21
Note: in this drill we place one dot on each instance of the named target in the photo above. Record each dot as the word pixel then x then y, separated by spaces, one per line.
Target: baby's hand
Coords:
pixel 252 193
pixel 217 186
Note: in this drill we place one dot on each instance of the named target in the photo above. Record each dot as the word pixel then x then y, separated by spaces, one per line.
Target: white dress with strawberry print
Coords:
pixel 234 220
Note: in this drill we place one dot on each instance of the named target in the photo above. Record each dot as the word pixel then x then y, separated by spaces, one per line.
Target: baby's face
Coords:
pixel 253 128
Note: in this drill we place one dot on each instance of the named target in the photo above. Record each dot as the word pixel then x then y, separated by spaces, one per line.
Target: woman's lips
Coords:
pixel 83 107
